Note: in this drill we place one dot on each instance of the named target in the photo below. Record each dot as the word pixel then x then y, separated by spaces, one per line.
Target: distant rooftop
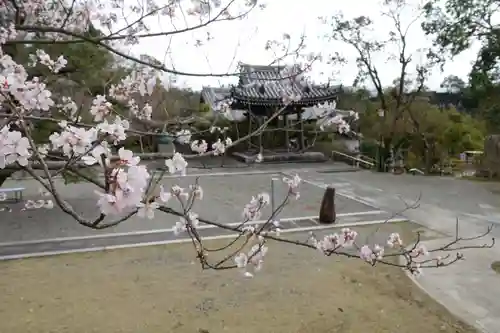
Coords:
pixel 213 96
pixel 266 85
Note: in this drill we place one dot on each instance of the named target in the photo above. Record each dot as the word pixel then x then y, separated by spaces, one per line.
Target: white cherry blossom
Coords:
pixel 14 148
pixel 127 157
pixel 183 136
pixel 199 146
pixel 218 147
pixel 176 164
pixel 100 108
pixel 147 209
pixel 165 196
pixel 394 240
pixel 191 220
pixel 251 261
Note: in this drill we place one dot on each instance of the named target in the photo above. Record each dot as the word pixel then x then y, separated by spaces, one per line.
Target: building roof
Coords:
pixel 213 96
pixel 265 85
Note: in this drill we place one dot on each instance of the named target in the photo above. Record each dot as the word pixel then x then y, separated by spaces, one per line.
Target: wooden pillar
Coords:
pixel 249 140
pixel 301 128
pixel 285 125
pixel 260 134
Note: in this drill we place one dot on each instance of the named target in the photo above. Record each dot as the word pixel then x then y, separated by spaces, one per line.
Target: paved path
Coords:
pixel 470 289
pixel 34 232
pixel 224 199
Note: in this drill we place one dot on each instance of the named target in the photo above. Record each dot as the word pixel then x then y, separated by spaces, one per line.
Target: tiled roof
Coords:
pixel 265 85
pixel 213 96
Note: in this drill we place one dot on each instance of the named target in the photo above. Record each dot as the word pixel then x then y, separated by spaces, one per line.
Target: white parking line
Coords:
pixel 188 240
pixel 338 191
pixel 157 231
pixel 228 173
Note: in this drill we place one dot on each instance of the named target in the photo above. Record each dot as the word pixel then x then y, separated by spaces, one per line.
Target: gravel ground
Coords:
pixel 161 289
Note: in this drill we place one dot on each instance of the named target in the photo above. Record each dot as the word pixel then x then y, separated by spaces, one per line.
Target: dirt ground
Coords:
pixel 161 289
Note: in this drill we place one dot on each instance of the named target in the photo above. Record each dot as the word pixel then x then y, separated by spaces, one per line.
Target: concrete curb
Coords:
pixel 457 313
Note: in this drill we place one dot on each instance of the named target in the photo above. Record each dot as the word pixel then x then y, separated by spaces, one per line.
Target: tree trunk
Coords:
pixel 428 159
pixel 384 153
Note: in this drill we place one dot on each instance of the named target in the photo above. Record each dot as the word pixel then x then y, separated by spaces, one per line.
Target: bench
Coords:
pixel 18 192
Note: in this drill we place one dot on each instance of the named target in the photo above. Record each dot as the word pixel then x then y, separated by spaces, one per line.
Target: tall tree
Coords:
pixel 355 33
pixel 453 84
pixel 457 24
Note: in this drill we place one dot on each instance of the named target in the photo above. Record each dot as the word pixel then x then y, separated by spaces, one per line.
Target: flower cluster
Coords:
pixel 253 210
pixel 371 255
pixel 142 82
pixel 73 140
pixel 14 148
pixel 333 242
pixel 177 164
pixel 219 147
pixel 191 220
pixel 127 182
pixel 32 204
pixel 30 94
pixel 43 58
pixel 100 108
pixel 199 146
pixel 253 259
pixel 69 109
pixel 293 185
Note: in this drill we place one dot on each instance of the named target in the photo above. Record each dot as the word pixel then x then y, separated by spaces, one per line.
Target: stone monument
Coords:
pixel 327 214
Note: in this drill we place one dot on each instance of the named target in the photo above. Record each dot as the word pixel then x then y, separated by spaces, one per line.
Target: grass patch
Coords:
pixel 161 289
pixel 496 266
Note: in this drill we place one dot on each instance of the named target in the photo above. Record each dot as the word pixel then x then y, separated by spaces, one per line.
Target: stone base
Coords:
pixel 166 148
pixel 280 157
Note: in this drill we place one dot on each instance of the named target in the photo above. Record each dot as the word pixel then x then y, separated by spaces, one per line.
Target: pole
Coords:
pixel 379 167
pixel 272 194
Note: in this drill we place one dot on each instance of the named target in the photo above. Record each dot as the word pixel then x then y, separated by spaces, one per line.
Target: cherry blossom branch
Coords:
pixel 123 55
pixel 116 35
pixel 343 244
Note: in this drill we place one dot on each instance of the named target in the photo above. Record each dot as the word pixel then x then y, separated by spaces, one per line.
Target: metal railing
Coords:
pixel 367 158
pixel 355 160
pixel 414 171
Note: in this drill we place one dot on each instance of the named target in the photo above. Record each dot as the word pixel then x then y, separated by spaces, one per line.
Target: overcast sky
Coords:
pixel 244 41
